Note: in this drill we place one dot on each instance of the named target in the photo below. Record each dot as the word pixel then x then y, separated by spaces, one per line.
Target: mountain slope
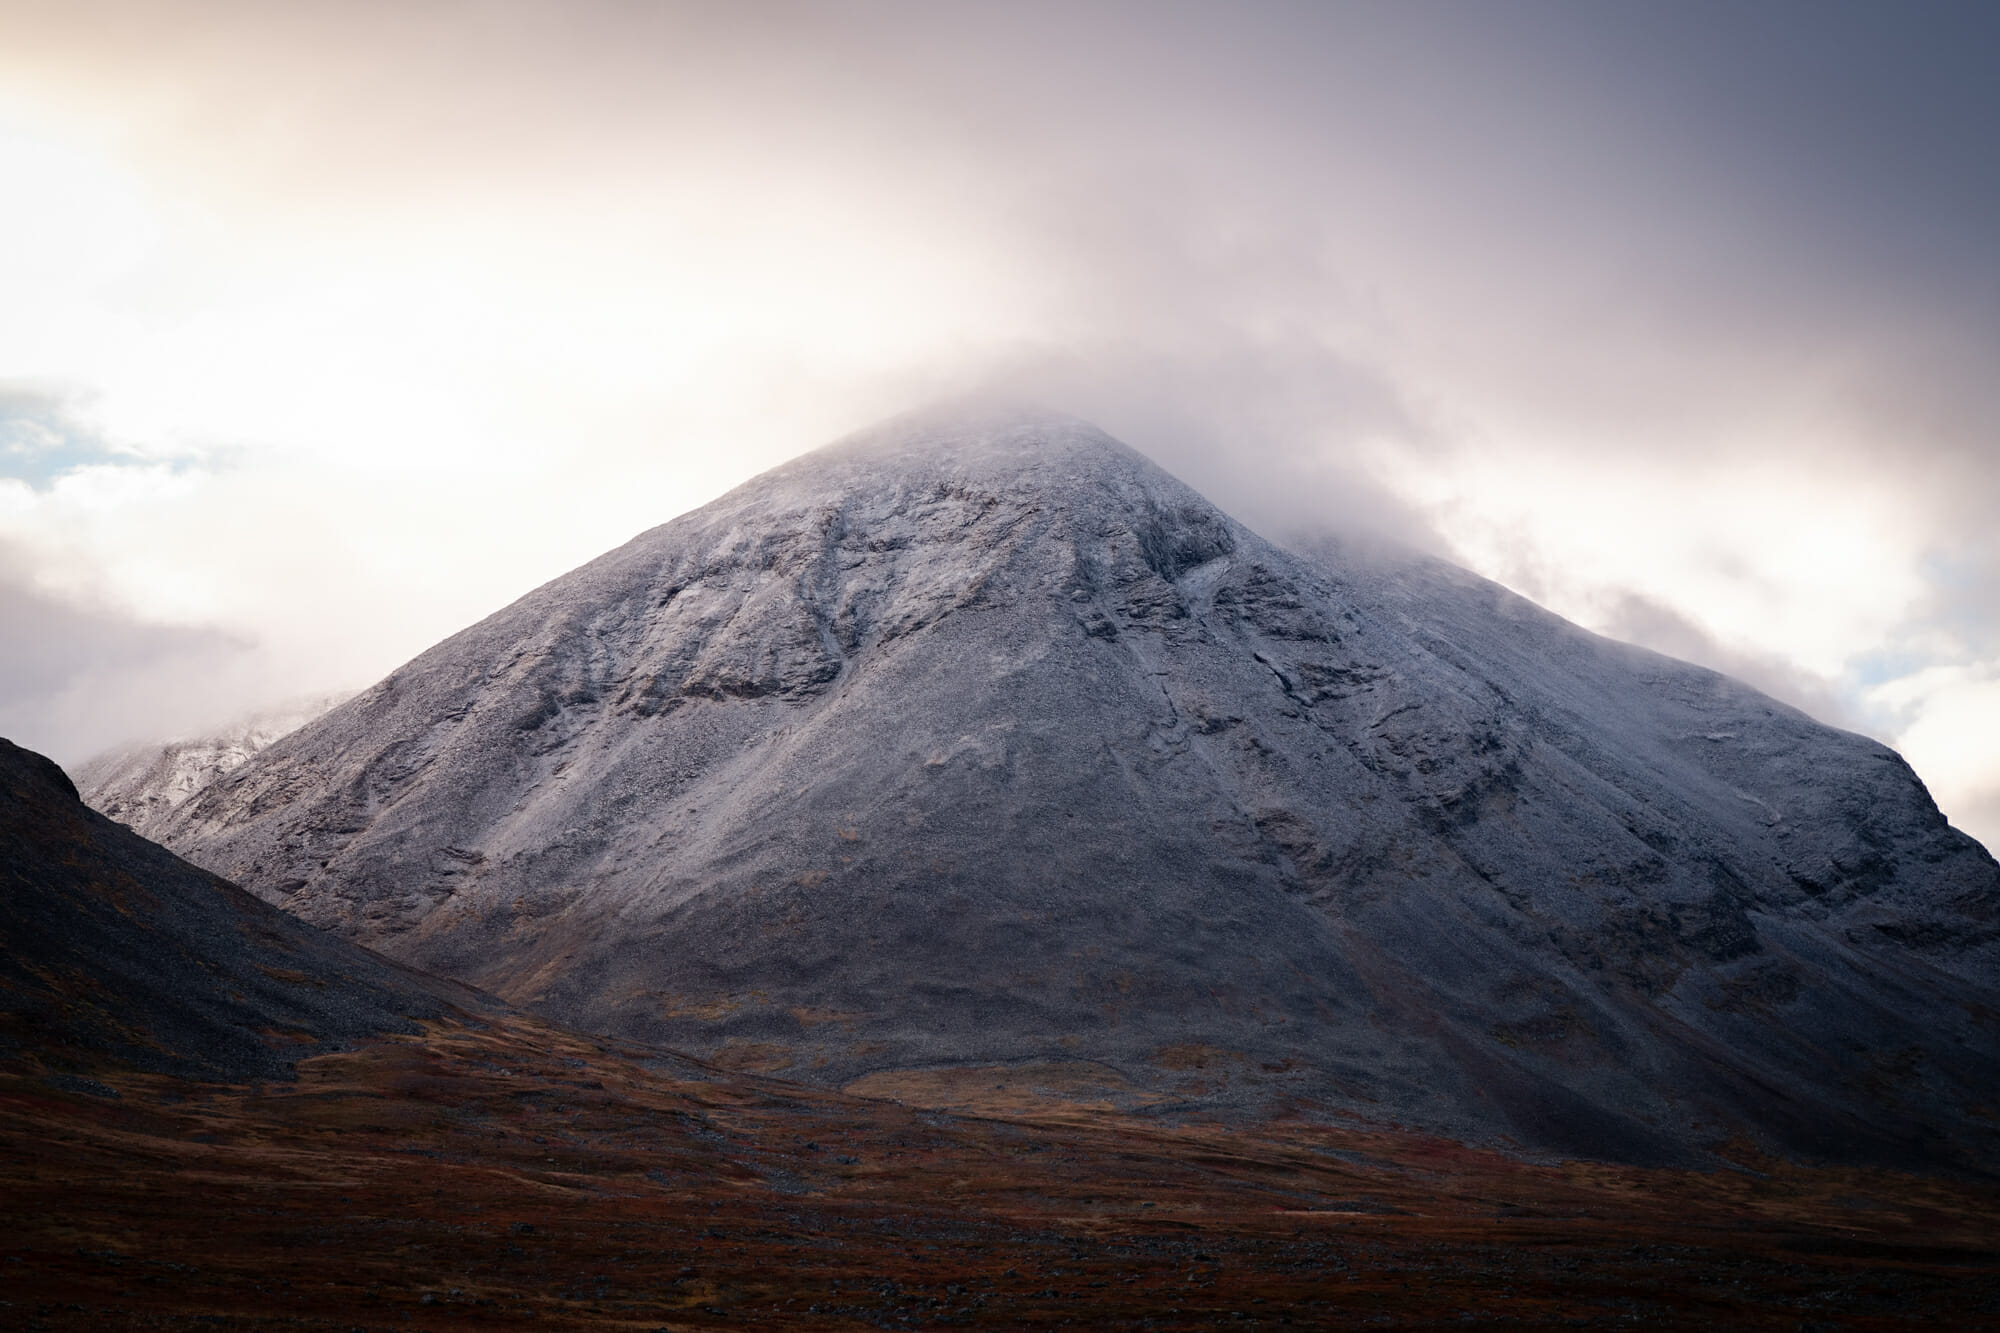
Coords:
pixel 114 951
pixel 970 743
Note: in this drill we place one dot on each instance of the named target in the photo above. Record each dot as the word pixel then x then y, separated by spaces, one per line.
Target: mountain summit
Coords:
pixel 959 747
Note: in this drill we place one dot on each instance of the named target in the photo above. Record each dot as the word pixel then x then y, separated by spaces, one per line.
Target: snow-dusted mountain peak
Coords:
pixel 1007 450
pixel 976 740
pixel 1010 448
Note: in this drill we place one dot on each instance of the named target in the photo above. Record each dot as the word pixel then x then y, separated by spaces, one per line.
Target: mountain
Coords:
pixel 968 746
pixel 211 1113
pixel 140 785
pixel 115 952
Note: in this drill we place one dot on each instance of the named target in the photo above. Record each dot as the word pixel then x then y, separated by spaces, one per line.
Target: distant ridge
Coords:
pixel 979 742
pixel 140 785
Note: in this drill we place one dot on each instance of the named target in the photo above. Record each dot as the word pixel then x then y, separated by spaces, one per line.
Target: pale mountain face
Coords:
pixel 983 742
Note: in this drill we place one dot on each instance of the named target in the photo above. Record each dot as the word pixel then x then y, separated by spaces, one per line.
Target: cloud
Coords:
pixel 1946 719
pixel 44 434
pixel 76 679
pixel 1271 435
pixel 1637 618
pixel 1680 318
pixel 1979 815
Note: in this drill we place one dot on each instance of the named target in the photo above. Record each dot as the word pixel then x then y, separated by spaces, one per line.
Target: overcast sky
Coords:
pixel 327 328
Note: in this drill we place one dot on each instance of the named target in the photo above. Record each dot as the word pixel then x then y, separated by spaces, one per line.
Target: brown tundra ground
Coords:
pixel 516 1175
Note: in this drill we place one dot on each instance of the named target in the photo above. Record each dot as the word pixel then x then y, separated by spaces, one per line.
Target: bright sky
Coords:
pixel 328 328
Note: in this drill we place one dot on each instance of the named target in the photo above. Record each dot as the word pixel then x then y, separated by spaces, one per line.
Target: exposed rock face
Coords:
pixel 140 786
pixel 991 742
pixel 114 951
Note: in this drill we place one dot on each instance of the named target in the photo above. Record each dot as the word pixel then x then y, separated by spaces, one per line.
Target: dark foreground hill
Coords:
pixel 963 749
pixel 114 952
pixel 499 1172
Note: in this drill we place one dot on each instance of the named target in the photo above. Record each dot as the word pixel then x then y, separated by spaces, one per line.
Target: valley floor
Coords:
pixel 523 1176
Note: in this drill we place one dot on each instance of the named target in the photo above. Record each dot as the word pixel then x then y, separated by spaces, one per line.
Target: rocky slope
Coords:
pixel 961 745
pixel 140 785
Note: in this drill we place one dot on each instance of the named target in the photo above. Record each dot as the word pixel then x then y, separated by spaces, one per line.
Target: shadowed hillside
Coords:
pixel 115 952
